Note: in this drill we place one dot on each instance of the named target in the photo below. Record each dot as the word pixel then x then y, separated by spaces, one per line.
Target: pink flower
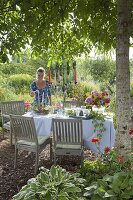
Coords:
pixel 27 104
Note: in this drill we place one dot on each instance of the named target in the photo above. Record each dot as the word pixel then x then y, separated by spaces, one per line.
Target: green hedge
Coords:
pixel 20 82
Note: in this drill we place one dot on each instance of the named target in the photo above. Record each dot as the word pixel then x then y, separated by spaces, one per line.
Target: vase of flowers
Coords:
pixel 98 99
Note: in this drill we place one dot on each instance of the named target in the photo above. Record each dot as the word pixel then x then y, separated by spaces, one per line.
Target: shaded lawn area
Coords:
pixel 11 180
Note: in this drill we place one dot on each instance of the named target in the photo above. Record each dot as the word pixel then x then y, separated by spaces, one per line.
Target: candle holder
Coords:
pixel 41 108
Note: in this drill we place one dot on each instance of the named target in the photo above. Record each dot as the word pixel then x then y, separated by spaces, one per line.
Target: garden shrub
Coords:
pixel 109 163
pixel 89 86
pixel 7 94
pixel 53 184
pixel 92 170
pixel 116 187
pixel 79 90
pixel 18 68
pixel 20 82
pixel 76 91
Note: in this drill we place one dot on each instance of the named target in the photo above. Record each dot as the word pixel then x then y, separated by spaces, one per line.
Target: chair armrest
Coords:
pixel 5 116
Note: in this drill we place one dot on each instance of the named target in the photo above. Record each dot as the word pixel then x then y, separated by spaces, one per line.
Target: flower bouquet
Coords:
pixel 98 99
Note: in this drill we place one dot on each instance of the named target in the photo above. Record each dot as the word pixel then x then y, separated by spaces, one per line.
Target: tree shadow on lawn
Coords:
pixel 11 180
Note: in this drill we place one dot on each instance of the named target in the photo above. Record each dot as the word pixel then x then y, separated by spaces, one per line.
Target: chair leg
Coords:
pixel 10 137
pixel 3 132
pixel 82 158
pixel 36 162
pixel 54 158
pixel 16 153
pixel 51 151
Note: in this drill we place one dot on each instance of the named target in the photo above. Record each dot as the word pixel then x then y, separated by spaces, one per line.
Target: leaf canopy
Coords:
pixel 57 29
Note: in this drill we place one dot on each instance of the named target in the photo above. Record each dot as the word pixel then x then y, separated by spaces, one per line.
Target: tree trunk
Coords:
pixel 123 140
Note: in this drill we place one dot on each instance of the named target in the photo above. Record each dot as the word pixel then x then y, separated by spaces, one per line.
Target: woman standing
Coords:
pixel 40 88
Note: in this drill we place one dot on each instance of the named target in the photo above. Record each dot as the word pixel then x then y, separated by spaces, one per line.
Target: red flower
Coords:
pixel 106 149
pixel 120 159
pixel 95 139
pixel 131 131
pixel 104 93
pixel 107 100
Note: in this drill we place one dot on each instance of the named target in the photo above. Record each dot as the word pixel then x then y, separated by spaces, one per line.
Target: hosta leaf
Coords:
pixel 94 186
pixel 88 194
pixel 102 183
pixel 34 186
pixel 125 183
pixel 30 196
pixel 109 193
pixel 32 180
pixel 63 196
pixel 71 189
pixel 130 182
pixel 53 170
pixel 107 178
pixel 44 177
pixel 25 187
pixel 19 196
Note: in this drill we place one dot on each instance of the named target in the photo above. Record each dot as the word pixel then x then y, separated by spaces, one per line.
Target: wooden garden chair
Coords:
pixel 67 137
pixel 7 108
pixel 26 137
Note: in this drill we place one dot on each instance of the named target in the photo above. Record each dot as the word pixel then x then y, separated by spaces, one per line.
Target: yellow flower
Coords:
pixel 87 94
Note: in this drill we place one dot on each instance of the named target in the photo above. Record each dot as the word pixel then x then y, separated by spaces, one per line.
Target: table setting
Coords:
pixel 96 121
pixel 90 119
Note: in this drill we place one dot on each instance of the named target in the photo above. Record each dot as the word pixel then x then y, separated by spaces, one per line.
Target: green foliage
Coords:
pixel 98 123
pixel 103 69
pixel 76 91
pixel 116 187
pixel 93 170
pixel 20 82
pixel 2 93
pixel 107 163
pixel 79 90
pixel 7 94
pixel 81 22
pixel 27 67
pixel 53 184
pixel 89 86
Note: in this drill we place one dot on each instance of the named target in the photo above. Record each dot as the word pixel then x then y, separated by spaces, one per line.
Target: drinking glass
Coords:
pixel 77 112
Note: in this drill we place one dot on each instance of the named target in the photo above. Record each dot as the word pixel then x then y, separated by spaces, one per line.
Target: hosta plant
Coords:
pixel 116 187
pixel 53 184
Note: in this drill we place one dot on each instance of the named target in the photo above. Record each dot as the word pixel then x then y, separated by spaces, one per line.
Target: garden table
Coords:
pixel 43 124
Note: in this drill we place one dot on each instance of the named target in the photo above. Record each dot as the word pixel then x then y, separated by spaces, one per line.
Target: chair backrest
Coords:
pixel 12 107
pixel 72 103
pixel 23 128
pixel 67 131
